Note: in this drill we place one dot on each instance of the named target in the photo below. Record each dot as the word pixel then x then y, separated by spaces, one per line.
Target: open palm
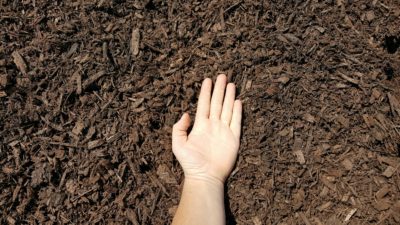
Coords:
pixel 210 150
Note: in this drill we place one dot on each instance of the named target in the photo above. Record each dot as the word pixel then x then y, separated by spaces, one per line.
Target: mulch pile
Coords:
pixel 89 91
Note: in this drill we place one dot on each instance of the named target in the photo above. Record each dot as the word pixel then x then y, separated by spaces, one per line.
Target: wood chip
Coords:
pixel 20 62
pixel 8 170
pixel 391 161
pixel 165 174
pixel 272 90
pixel 326 181
pixel 343 121
pixel 383 191
pixel 292 38
pixel 93 78
pixel 369 120
pixel 309 118
pixel 349 215
pixel 339 2
pixel 396 211
pixel 298 199
pixel 72 50
pixel 320 29
pixel 78 83
pixel 172 210
pixel 135 39
pixel 305 219
pixel 300 157
pixel 282 38
pixel 394 104
pixel 38 175
pixel 15 192
pixel 348 165
pixel 109 27
pixel 3 94
pixel 11 220
pixel 288 131
pixel 256 220
pixel 297 150
pixel 71 186
pixel 283 79
pixel 324 206
pixel 349 79
pixel 275 69
pixel 345 197
pixel 255 160
pixel 389 171
pixel 119 200
pixel 382 204
pixel 324 192
pixel 248 84
pixel 370 15
pixel 376 94
pixel 133 136
pixel 52 125
pixel 132 217
pixel 3 80
pixel 95 143
pixel 77 130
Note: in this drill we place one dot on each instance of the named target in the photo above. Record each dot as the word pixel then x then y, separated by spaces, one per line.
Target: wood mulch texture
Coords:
pixel 89 91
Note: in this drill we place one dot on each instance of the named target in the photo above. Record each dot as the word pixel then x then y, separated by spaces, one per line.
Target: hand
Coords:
pixel 210 150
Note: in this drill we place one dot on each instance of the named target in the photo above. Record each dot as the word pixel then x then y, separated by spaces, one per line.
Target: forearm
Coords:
pixel 202 202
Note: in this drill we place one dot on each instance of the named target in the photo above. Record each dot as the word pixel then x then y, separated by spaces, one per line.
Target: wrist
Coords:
pixel 203 181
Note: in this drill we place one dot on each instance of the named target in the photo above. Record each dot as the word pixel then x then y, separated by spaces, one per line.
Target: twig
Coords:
pixel 233 6
pixel 52 125
pixel 64 144
pixel 84 193
pixel 153 48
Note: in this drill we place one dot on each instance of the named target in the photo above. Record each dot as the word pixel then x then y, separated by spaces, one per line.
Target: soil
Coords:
pixel 89 91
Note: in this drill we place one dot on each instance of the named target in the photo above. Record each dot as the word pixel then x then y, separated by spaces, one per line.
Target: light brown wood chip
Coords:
pixel 394 104
pixel 20 62
pixel 135 42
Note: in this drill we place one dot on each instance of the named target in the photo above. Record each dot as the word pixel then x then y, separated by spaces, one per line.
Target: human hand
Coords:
pixel 209 152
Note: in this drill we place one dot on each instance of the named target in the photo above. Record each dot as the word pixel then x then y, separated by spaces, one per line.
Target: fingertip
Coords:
pixel 182 118
pixel 179 131
pixel 185 117
pixel 203 105
pixel 207 81
pixel 206 86
pixel 222 77
pixel 231 86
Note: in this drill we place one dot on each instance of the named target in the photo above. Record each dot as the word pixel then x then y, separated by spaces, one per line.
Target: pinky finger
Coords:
pixel 236 118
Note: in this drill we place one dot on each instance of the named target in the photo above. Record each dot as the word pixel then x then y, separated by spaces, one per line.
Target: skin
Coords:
pixel 208 154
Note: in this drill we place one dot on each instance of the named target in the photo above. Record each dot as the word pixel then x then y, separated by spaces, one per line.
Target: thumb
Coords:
pixel 179 131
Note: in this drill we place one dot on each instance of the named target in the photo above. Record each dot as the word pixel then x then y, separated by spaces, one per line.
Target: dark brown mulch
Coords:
pixel 89 91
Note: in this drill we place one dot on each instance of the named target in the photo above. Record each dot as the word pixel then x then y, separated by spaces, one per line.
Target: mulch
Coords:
pixel 89 91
